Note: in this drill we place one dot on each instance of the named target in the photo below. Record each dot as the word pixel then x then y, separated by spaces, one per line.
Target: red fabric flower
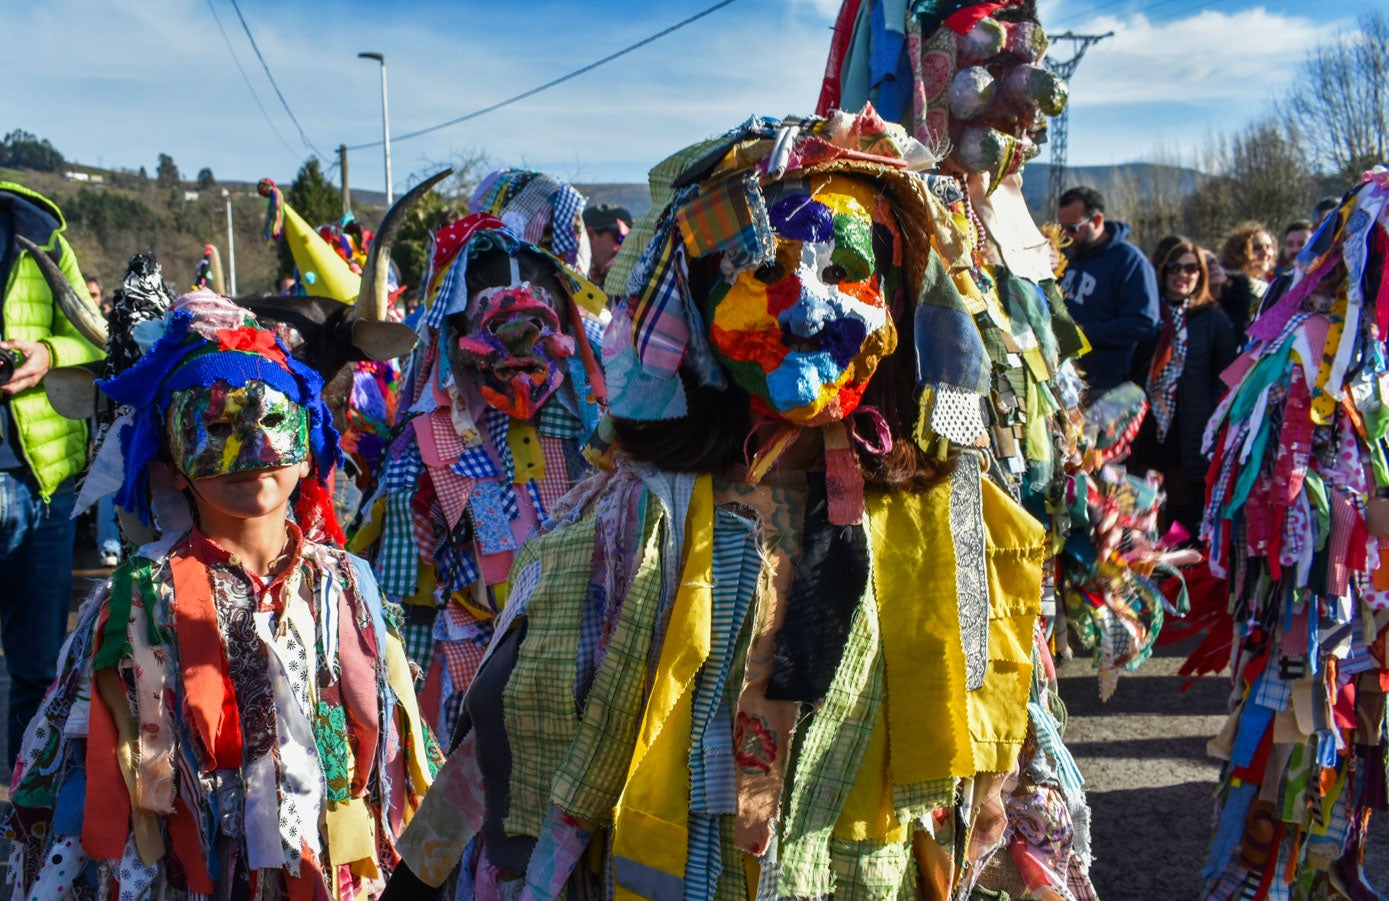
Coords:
pixel 753 743
pixel 252 340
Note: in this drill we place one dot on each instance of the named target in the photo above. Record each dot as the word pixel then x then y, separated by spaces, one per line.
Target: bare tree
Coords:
pixel 1260 173
pixel 1341 102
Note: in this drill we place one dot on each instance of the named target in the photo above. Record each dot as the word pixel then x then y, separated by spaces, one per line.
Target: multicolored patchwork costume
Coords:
pixel 213 733
pixel 785 647
pixel 495 405
pixel 1296 518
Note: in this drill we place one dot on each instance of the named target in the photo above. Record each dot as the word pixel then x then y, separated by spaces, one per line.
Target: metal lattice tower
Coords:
pixel 1056 132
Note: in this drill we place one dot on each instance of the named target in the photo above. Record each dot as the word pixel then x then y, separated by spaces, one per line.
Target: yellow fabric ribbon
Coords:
pixel 403 685
pixel 524 442
pixel 650 836
pixel 1015 543
pixel 929 735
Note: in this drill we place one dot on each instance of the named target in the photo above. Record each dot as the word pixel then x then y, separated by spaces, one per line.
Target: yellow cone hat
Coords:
pixel 322 272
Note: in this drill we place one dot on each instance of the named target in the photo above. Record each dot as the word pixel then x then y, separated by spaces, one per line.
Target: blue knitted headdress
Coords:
pixel 184 358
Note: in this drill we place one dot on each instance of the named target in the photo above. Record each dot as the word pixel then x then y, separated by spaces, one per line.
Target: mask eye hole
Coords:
pixel 220 430
pixel 833 274
pixel 273 420
pixel 769 273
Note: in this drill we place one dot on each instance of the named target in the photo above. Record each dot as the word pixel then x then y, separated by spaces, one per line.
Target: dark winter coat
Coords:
pixel 1211 348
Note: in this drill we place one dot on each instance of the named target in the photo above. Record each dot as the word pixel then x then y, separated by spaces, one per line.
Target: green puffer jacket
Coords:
pixel 54 447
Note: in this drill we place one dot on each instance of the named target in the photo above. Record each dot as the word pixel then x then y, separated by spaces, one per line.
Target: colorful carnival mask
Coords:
pixel 804 334
pixel 513 346
pixel 219 430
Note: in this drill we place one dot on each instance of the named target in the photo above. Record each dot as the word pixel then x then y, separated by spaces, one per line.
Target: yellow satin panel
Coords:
pixel 914 578
pixel 651 823
pixel 998 710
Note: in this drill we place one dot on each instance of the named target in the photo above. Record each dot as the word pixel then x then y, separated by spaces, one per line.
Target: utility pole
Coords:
pixel 231 242
pixel 385 121
pixel 1056 133
pixel 346 190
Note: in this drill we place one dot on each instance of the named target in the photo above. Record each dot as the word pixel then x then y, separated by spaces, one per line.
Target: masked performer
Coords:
pixel 234 715
pixel 779 648
pixel 1297 518
pixel 496 404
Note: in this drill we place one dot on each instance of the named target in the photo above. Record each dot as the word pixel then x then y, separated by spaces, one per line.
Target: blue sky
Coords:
pixel 115 84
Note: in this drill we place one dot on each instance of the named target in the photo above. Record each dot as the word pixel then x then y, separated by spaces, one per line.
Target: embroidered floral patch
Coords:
pixel 756 744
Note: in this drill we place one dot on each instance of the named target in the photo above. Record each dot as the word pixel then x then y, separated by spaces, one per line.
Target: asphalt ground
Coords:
pixel 1149 782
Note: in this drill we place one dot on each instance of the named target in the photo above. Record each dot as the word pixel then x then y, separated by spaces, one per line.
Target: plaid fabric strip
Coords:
pixel 555 421
pixel 456 567
pixel 733 880
pixel 830 758
pixel 870 871
pixel 596 764
pixel 406 464
pixel 729 217
pixel 397 565
pixel 1057 754
pixel 568 205
pixel 1271 691
pixel 533 491
pixel 419 643
pixel 540 721
pixel 476 463
pixel 532 204
pixel 557 482
pixel 498 424
pixel 737 565
pixel 660 333
pixel 453 491
pixel 452 283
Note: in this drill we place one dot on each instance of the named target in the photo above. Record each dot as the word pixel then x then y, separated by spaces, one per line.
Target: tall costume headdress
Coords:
pixel 1296 518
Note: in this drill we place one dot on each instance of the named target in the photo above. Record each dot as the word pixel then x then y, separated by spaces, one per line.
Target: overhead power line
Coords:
pixel 278 93
pixel 550 84
pixel 246 78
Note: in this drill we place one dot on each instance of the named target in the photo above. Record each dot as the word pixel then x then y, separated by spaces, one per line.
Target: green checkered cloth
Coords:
pixel 419 645
pixel 872 871
pixel 595 767
pixel 539 712
pixel 831 756
pixel 554 421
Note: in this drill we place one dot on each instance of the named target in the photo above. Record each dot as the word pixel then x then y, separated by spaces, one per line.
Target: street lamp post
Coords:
pixel 385 121
pixel 231 242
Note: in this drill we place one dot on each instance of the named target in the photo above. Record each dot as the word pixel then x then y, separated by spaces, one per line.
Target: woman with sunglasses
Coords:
pixel 1195 343
pixel 1249 256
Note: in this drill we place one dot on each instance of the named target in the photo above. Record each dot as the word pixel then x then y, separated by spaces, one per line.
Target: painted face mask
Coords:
pixel 219 430
pixel 513 347
pixel 803 335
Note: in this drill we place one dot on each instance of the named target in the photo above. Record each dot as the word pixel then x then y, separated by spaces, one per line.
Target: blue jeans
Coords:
pixel 108 530
pixel 35 591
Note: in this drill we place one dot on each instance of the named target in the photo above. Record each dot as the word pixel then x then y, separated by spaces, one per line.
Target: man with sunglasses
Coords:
pixel 1110 288
pixel 607 226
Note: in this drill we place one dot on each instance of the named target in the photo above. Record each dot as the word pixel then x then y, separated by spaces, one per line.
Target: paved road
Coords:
pixel 1149 781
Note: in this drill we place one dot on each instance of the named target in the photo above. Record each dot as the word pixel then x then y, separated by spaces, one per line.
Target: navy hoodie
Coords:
pixel 1112 293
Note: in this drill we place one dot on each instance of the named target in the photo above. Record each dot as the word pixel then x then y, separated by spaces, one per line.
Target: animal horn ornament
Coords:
pixel 374 297
pixel 86 318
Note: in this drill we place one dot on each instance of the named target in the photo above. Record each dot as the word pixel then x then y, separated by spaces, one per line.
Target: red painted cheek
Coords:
pixel 782 295
pixel 865 292
pixel 762 347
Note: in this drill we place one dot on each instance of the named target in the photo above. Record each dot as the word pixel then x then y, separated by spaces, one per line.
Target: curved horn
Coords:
pixel 373 297
pixel 219 282
pixel 85 318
